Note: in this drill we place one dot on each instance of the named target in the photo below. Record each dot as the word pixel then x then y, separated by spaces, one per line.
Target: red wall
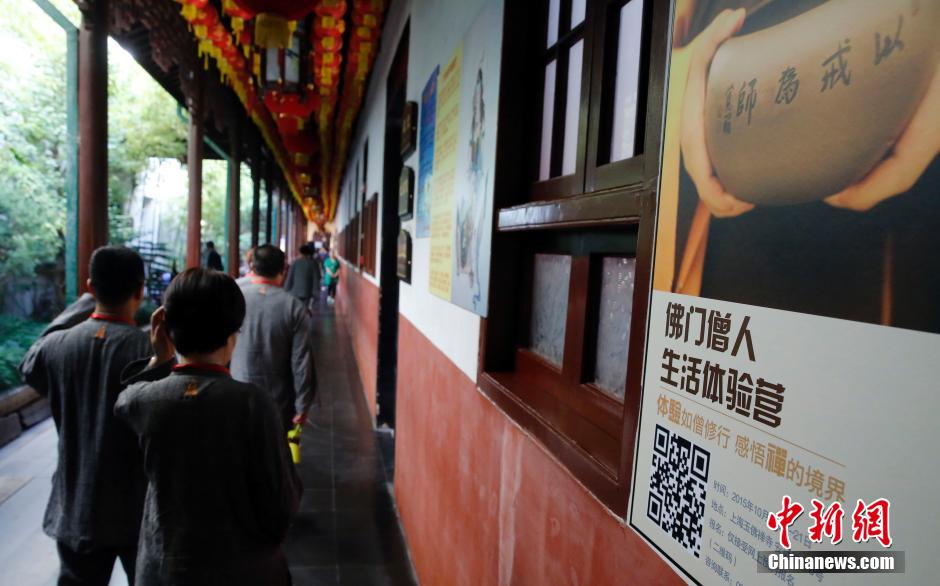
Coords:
pixel 482 503
pixel 357 301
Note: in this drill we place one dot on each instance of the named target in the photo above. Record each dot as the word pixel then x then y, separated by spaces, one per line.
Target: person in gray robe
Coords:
pixel 250 274
pixel 72 315
pixel 80 310
pixel 95 506
pixel 274 349
pixel 303 277
pixel 221 486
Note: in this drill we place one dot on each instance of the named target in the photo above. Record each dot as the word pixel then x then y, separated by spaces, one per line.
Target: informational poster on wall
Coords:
pixel 787 411
pixel 442 194
pixel 426 156
pixel 464 158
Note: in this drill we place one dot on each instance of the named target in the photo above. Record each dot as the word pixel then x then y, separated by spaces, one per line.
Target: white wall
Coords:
pixel 436 28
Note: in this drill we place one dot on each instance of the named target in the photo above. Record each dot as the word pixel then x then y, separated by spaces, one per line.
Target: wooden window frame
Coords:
pixel 567 414
pixel 369 225
pixel 561 185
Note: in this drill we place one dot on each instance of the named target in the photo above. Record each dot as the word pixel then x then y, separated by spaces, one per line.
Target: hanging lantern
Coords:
pixel 272 23
pixel 290 112
pixel 203 20
pixel 282 69
pixel 301 148
pixel 238 15
pixel 191 7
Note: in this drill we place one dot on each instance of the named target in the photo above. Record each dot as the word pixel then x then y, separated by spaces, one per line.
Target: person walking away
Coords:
pixel 94 510
pixel 331 278
pixel 213 258
pixel 303 277
pixel 80 310
pixel 221 487
pixel 250 272
pixel 274 350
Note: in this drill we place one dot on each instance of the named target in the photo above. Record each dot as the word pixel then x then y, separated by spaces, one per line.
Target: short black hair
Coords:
pixel 210 244
pixel 203 308
pixel 116 273
pixel 268 261
pixel 306 249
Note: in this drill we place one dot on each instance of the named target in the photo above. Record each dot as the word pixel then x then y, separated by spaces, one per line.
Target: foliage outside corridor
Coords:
pixel 142 123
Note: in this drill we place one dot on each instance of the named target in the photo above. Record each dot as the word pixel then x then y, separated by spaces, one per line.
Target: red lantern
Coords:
pixel 300 143
pixel 286 9
pixel 334 8
pixel 271 23
pixel 236 11
pixel 207 17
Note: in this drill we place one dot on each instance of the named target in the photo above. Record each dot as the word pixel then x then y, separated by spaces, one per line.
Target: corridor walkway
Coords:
pixel 346 533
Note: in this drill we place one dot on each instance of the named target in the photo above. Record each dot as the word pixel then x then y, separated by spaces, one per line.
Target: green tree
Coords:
pixel 142 123
pixel 32 140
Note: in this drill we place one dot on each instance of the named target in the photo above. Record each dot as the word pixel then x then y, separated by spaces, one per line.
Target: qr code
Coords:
pixel 677 488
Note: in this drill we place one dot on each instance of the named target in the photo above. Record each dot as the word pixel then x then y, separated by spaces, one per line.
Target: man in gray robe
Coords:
pixel 303 278
pixel 221 487
pixel 80 310
pixel 250 274
pixel 95 507
pixel 274 349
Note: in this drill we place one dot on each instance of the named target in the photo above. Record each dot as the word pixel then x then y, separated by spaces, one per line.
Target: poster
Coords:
pixel 793 324
pixel 426 156
pixel 442 194
pixel 464 158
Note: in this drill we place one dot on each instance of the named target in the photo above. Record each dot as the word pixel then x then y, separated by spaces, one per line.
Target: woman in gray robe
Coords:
pixel 221 487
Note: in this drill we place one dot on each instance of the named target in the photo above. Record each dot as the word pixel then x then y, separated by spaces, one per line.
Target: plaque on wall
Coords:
pixel 409 129
pixel 406 193
pixel 404 256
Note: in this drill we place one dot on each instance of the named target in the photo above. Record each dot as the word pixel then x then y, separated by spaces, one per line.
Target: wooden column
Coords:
pixel 282 219
pixel 194 150
pixel 295 228
pixel 93 134
pixel 291 226
pixel 255 196
pixel 234 203
pixel 287 228
pixel 278 219
pixel 268 218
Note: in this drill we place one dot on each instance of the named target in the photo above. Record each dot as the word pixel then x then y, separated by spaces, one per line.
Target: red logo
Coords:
pixel 783 519
pixel 868 521
pixel 871 522
pixel 826 522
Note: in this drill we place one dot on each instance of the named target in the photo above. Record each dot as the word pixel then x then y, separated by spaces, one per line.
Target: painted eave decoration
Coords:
pixel 298 67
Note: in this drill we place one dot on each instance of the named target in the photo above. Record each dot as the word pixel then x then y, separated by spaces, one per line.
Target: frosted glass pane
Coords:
pixel 550 306
pixel 272 65
pixel 572 108
pixel 292 61
pixel 553 10
pixel 613 330
pixel 623 139
pixel 548 117
pixel 577 12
